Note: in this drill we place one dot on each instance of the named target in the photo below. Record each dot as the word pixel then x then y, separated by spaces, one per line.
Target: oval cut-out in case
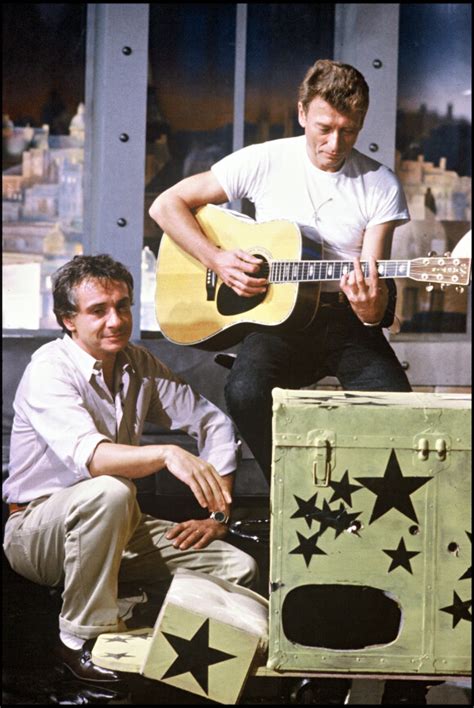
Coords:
pixel 340 616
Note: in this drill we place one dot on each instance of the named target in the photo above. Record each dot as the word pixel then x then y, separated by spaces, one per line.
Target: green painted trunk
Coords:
pixel 370 533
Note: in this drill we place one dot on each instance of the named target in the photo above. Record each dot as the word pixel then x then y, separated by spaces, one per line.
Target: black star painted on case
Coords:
pixel 401 557
pixel 308 547
pixel 393 490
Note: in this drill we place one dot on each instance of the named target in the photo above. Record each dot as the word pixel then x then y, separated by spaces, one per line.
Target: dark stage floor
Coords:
pixel 30 676
pixel 30 628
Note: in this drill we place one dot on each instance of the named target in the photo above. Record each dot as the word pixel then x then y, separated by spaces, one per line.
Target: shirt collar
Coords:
pixel 87 364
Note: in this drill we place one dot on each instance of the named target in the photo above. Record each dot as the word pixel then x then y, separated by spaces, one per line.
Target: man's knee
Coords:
pixel 233 396
pixel 113 494
pixel 246 571
pixel 252 574
pixel 243 394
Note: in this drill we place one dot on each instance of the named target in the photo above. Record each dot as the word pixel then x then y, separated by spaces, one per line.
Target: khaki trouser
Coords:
pixel 91 537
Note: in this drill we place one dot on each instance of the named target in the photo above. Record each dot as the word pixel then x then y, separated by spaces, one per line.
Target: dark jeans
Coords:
pixel 335 344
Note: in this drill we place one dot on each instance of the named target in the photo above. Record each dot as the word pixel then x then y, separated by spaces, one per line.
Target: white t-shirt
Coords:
pixel 280 179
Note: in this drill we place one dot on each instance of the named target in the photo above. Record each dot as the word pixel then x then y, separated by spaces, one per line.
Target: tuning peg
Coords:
pixel 443 286
pixel 431 254
pixel 459 289
pixel 447 254
pixel 429 287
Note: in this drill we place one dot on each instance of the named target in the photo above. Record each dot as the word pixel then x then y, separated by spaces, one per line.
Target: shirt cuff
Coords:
pixel 84 453
pixel 224 458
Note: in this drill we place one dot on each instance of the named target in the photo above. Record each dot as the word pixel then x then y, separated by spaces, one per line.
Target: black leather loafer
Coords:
pixel 79 663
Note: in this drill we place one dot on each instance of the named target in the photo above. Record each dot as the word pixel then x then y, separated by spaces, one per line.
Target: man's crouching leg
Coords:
pixel 151 557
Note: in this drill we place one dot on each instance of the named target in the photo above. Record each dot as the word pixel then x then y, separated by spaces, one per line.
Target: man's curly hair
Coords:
pixel 81 268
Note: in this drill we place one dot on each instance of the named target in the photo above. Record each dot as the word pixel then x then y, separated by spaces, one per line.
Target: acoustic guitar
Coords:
pixel 195 308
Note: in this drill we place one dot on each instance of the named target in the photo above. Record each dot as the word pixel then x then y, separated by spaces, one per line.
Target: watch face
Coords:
pixel 219 516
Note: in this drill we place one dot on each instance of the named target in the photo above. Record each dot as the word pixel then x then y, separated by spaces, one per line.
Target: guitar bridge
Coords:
pixel 211 282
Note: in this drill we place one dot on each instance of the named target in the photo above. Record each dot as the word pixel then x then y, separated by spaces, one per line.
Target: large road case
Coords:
pixel 370 533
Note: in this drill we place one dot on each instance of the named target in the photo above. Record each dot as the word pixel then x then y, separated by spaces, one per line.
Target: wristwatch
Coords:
pixel 219 516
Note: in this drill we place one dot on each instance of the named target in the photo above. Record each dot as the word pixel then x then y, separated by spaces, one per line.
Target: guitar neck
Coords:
pixel 317 271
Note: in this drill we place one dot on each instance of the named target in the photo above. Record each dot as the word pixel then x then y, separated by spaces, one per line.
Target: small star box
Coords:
pixel 207 636
pixel 123 651
pixel 370 533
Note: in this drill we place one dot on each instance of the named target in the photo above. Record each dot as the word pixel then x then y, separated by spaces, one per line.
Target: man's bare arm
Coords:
pixel 135 462
pixel 173 212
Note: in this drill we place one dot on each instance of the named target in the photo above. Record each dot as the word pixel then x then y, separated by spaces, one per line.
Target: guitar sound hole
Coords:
pixel 229 303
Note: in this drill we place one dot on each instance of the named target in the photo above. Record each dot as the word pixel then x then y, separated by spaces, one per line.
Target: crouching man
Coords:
pixel 79 413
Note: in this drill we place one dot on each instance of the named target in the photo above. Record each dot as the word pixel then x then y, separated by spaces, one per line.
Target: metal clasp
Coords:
pixel 430 447
pixel 423 448
pixel 441 448
pixel 322 463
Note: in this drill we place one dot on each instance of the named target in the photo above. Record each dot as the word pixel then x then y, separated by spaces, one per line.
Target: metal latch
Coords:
pixel 428 444
pixel 322 463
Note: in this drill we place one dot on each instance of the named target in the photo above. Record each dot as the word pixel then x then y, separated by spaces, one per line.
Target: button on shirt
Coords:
pixel 64 409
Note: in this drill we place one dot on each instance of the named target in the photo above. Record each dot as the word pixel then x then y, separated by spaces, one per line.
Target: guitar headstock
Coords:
pixel 441 270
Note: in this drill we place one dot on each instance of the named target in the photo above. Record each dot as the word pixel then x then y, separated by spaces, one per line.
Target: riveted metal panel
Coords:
pixel 366 36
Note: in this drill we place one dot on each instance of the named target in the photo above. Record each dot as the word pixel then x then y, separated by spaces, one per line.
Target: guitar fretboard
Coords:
pixel 304 271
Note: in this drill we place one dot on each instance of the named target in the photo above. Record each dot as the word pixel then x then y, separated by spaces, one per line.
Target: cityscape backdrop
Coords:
pixel 190 114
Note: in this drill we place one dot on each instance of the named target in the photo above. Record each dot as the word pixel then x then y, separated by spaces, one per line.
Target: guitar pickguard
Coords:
pixel 229 303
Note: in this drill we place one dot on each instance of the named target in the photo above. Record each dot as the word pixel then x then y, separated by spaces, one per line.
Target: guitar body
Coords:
pixel 195 308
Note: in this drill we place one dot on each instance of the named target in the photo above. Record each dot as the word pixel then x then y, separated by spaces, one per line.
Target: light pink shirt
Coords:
pixel 63 409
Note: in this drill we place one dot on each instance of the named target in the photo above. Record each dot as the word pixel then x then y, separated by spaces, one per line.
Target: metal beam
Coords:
pixel 238 132
pixel 116 80
pixel 366 36
pixel 239 76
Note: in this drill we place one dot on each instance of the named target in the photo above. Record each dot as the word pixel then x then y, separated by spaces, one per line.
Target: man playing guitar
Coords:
pixel 353 204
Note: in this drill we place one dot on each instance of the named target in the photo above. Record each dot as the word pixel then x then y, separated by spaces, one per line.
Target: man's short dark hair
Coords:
pixel 81 268
pixel 340 85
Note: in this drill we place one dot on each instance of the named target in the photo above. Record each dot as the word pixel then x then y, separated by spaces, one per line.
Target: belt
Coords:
pixel 13 508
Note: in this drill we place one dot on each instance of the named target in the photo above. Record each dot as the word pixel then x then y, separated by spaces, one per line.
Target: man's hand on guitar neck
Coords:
pixel 236 268
pixel 368 296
